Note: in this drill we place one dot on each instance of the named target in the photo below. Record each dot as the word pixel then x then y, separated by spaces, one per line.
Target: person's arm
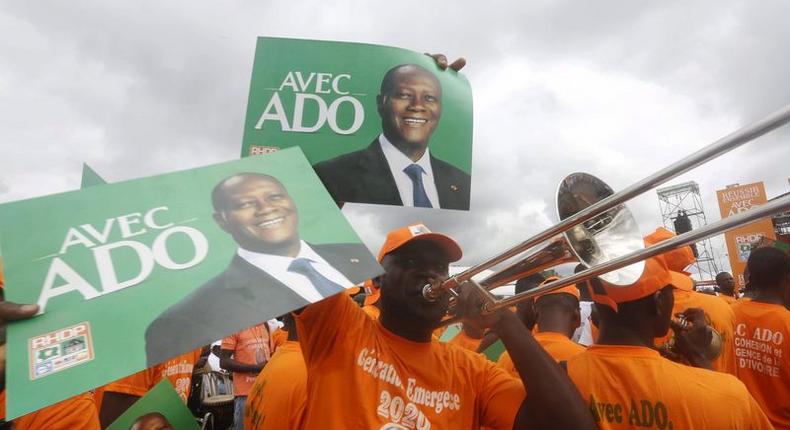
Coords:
pixel 113 405
pixel 325 325
pixel 552 400
pixel 489 339
pixel 694 341
pixel 231 365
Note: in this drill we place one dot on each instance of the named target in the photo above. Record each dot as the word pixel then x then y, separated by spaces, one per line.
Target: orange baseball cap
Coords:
pixel 372 292
pixel 655 277
pixel 568 289
pixel 399 237
pixel 681 281
pixel 677 259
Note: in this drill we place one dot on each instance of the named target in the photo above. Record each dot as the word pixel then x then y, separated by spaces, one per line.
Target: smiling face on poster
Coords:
pixel 364 114
pixel 130 274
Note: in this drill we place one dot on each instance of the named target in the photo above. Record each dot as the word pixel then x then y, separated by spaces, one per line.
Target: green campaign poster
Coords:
pixel 494 351
pixel 451 332
pixel 363 114
pixel 90 177
pixel 133 273
pixel 160 407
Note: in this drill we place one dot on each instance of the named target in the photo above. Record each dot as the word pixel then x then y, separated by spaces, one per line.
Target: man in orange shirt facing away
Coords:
pixel 558 316
pixel 629 385
pixel 277 398
pixel 244 353
pixel 762 334
pixel 726 287
pixel 390 373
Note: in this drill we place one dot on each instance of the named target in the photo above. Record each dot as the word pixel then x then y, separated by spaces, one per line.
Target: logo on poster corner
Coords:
pixel 261 150
pixel 60 349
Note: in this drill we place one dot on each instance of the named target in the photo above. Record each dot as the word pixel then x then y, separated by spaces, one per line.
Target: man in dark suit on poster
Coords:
pixel 397 168
pixel 273 272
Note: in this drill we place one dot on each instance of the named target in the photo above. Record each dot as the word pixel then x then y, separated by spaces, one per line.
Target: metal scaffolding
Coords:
pixel 681 201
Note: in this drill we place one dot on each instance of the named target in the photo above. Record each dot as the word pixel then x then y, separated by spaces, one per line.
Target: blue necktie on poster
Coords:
pixel 325 287
pixel 415 172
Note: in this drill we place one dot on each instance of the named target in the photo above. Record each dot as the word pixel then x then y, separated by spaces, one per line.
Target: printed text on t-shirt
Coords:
pixel 759 349
pixel 404 409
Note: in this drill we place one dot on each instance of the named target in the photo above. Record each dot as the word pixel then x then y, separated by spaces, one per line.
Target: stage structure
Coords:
pixel 681 211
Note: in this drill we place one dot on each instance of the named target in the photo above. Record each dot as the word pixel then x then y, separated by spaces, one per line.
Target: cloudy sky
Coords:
pixel 616 89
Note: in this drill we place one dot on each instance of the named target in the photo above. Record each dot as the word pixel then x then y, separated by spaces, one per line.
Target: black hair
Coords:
pixel 563 301
pixel 529 282
pixel 767 267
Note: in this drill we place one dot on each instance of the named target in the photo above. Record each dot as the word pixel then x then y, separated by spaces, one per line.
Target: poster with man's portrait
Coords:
pixel 160 409
pixel 380 125
pixel 131 274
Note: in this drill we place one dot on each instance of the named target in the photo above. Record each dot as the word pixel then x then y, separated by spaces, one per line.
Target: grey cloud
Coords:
pixel 142 88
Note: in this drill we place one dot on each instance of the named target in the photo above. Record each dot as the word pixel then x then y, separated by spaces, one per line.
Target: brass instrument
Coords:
pixel 712 352
pixel 597 230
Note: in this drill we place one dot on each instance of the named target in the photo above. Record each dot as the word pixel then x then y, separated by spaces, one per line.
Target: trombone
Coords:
pixel 597 230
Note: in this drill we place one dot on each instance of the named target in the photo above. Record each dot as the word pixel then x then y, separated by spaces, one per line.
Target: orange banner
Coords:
pixel 734 200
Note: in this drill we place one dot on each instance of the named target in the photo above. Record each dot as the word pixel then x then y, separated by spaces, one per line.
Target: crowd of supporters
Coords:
pixel 654 354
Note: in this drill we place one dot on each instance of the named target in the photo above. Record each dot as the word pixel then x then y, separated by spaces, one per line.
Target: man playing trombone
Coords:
pixel 390 373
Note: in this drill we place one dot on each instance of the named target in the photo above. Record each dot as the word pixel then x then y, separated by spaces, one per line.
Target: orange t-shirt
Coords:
pixel 249 346
pixel 277 398
pixel 278 338
pixel 76 413
pixel 557 345
pixel 372 310
pixel 720 317
pixel 728 299
pixel 364 377
pixel 178 370
pixel 762 356
pixel 465 341
pixel 630 387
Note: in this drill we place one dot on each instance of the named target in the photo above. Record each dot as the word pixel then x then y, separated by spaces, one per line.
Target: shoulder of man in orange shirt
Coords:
pixel 557 345
pixel 728 299
pixel 278 395
pixel 76 413
pixel 762 348
pixel 465 341
pixel 629 386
